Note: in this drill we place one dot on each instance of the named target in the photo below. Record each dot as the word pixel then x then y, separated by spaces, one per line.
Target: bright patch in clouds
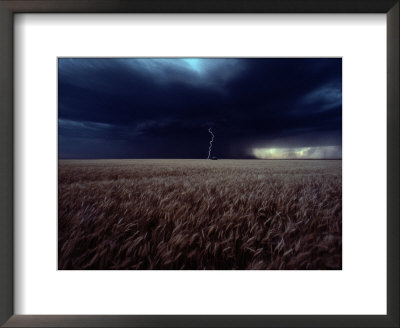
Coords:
pixel 194 63
pixel 320 152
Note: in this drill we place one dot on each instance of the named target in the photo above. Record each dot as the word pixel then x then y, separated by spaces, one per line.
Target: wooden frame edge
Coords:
pixel 393 167
pixel 6 164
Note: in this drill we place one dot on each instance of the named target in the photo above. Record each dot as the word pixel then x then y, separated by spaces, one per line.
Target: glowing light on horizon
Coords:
pixel 319 152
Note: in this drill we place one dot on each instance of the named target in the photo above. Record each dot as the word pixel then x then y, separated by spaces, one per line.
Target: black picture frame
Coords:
pixel 10 7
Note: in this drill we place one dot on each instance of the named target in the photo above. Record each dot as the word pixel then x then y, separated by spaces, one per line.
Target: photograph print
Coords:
pixel 199 163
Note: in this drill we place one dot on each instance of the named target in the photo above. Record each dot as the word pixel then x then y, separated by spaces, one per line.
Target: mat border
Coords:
pixel 10 7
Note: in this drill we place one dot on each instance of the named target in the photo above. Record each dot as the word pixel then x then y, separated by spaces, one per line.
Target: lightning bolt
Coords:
pixel 211 141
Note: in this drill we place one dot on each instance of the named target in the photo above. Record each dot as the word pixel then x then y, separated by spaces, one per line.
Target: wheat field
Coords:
pixel 200 214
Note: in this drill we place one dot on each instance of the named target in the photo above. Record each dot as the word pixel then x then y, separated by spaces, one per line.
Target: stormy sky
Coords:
pixel 164 107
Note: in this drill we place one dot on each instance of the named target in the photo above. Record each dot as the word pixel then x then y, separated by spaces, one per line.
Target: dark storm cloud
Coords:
pixel 162 108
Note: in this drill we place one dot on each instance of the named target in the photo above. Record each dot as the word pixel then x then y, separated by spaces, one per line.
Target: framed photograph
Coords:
pixel 199 164
pixel 168 183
